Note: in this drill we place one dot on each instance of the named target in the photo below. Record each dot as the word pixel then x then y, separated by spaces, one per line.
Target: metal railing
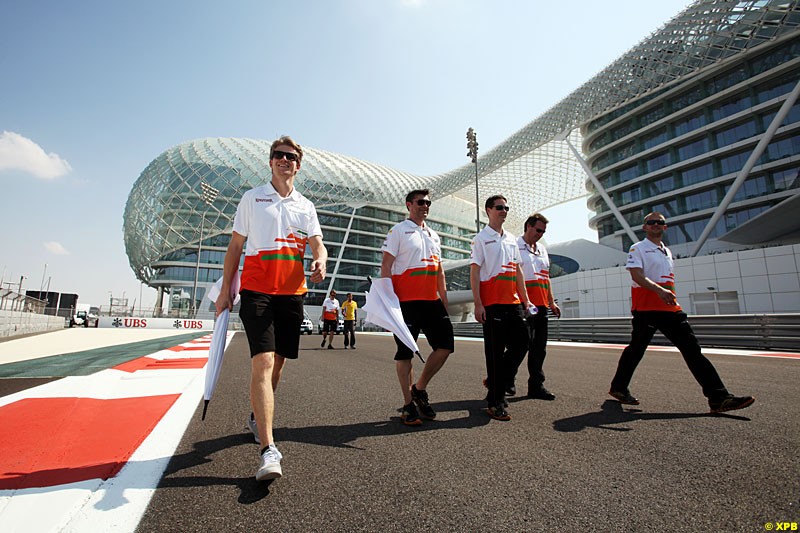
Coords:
pixel 763 332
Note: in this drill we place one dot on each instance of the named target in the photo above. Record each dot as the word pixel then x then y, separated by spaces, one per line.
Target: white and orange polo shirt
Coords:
pixel 657 265
pixel 498 257
pixel 536 269
pixel 330 308
pixel 277 231
pixel 417 252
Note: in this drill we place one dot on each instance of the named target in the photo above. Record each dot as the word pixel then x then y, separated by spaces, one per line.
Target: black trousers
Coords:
pixel 505 340
pixel 537 351
pixel 349 331
pixel 676 328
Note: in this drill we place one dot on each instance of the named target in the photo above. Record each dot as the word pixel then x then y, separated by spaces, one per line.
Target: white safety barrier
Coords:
pixel 129 322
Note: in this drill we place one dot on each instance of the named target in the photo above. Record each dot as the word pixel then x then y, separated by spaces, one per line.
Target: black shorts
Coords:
pixel 329 326
pixel 272 322
pixel 432 319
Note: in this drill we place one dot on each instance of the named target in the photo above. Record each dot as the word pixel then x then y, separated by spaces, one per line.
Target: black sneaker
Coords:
pixel 420 398
pixel 330 347
pixel 541 394
pixel 498 412
pixel 511 390
pixel 730 403
pixel 409 415
pixel 624 397
pixel 322 344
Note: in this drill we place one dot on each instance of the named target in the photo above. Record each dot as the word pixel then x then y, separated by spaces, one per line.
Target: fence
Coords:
pixel 763 332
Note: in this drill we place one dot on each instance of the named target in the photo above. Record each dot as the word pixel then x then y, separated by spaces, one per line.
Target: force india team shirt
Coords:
pixel 657 265
pixel 329 307
pixel 277 231
pixel 417 258
pixel 536 269
pixel 498 257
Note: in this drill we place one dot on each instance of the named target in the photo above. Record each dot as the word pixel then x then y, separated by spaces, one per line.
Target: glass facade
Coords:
pixel 703 131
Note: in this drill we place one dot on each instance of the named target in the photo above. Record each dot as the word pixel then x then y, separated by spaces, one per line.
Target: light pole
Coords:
pixel 209 194
pixel 472 153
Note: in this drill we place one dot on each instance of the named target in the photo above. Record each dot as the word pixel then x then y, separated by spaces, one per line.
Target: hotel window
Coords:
pixel 658 161
pixel 690 123
pixel 736 133
pixel 661 186
pixel 628 173
pixel 785 179
pixel 693 149
pixel 753 187
pixel 701 200
pixel 733 163
pixel 629 196
pixel 731 106
pixel 654 139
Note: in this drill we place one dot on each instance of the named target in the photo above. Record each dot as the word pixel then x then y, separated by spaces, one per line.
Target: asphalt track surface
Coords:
pixel 582 462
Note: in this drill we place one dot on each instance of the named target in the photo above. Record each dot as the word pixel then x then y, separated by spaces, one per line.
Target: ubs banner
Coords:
pixel 127 322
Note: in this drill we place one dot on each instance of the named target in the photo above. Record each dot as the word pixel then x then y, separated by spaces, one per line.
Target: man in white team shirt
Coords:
pixel 501 302
pixel 655 307
pixel 536 269
pixel 277 223
pixel 412 258
pixel 330 319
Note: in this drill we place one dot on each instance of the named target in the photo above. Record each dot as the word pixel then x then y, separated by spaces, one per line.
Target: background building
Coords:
pixel 684 123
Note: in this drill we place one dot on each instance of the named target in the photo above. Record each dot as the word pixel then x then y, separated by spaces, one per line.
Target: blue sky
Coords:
pixel 92 91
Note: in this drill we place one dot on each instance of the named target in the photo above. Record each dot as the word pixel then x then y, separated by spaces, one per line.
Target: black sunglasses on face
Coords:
pixel 656 222
pixel 290 156
pixel 422 202
pixel 501 207
pixel 539 230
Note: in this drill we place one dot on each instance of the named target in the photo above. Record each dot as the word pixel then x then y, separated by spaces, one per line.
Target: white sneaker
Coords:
pixel 251 423
pixel 270 464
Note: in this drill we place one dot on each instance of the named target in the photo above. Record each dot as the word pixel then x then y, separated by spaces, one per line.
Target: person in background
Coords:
pixel 655 307
pixel 349 308
pixel 330 319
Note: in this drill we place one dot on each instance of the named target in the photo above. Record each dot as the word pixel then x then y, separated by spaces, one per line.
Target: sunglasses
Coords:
pixel 290 156
pixel 656 222
pixel 540 231
pixel 422 202
pixel 501 207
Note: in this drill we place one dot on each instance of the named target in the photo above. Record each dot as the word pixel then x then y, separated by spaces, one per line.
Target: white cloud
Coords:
pixel 20 153
pixel 55 248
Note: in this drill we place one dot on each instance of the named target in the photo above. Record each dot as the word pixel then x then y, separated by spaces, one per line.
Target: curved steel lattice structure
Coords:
pixel 533 167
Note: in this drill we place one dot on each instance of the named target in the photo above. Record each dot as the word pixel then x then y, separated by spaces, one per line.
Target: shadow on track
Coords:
pixel 341 436
pixel 612 412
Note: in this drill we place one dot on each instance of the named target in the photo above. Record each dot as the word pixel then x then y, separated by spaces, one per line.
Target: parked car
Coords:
pixel 306 327
pixel 339 326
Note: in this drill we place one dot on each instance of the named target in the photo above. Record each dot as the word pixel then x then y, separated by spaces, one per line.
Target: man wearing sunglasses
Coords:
pixel 655 307
pixel 536 269
pixel 501 303
pixel 276 222
pixel 412 255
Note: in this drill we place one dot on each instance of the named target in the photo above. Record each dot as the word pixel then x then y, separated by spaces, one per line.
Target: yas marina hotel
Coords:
pixel 700 121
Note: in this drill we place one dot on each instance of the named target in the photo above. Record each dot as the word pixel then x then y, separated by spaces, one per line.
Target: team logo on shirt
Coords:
pixel 268 200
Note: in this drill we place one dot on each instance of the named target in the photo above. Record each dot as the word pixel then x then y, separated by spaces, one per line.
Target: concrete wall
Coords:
pixel 15 323
pixel 766 280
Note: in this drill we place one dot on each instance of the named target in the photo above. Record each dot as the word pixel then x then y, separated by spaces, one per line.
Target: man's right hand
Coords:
pixel 480 313
pixel 223 302
pixel 666 296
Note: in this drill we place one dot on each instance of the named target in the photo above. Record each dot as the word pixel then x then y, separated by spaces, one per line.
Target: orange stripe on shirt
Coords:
pixel 417 283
